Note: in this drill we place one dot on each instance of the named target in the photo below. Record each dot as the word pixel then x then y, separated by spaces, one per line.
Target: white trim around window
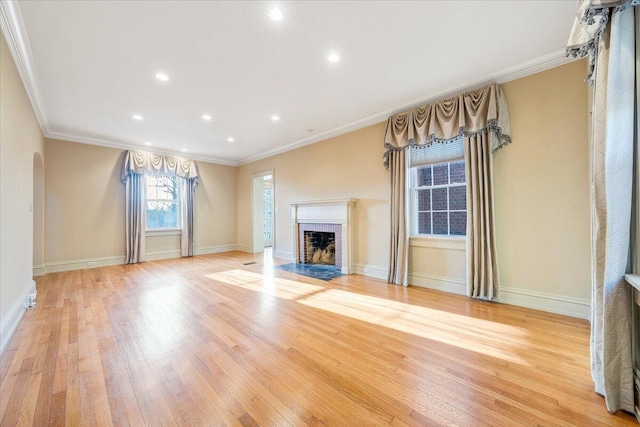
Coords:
pixel 457 243
pixel 152 232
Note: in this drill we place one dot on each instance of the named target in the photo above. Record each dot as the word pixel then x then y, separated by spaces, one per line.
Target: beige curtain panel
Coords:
pixel 186 237
pixel 481 117
pixel 135 218
pixel 607 32
pixel 399 251
pixel 482 262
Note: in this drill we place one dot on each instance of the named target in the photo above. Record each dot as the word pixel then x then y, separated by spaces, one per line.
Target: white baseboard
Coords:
pixel 39 270
pixel 286 255
pixel 559 304
pixel 373 271
pixel 11 321
pixel 244 248
pixel 214 249
pixel 82 264
pixel 439 283
pixel 157 256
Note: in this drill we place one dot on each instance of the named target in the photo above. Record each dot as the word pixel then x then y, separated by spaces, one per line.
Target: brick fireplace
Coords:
pixel 320 244
pixel 323 232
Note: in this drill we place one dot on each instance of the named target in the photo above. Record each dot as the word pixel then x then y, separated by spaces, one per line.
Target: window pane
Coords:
pixel 162 215
pixel 441 174
pixel 424 200
pixel 439 199
pixel 440 223
pixel 458 223
pixel 457 172
pixel 458 198
pixel 424 176
pixel 424 223
pixel 152 192
pixel 167 189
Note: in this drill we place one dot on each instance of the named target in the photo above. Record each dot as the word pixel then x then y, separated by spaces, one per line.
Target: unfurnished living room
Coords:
pixel 322 213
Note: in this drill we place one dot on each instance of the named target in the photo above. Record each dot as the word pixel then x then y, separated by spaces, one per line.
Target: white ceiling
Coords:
pixel 90 65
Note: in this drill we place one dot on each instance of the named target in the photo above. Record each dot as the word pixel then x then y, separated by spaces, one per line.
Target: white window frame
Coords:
pixel 414 189
pixel 165 231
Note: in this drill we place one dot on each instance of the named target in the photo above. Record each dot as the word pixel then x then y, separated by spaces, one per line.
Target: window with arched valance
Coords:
pixel 481 119
pixel 135 167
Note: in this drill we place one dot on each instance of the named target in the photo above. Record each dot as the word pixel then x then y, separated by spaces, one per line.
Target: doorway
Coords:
pixel 263 211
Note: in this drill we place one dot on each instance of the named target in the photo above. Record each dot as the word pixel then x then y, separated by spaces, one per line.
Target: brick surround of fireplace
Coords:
pixel 332 216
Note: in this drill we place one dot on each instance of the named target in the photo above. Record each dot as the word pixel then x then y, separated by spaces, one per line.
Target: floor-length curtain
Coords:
pixel 473 114
pixel 186 238
pixel 399 243
pixel 135 222
pixel 613 140
pixel 482 264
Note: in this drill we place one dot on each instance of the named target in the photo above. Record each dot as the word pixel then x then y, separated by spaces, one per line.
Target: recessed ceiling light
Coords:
pixel 184 150
pixel 137 117
pixel 275 14
pixel 230 139
pixel 162 77
pixel 333 57
pixel 206 117
pixel 147 143
pixel 275 118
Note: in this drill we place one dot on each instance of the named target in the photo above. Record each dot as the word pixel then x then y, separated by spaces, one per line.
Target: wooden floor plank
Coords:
pixel 210 341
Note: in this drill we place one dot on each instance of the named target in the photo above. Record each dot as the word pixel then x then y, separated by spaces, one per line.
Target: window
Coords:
pixel 439 197
pixel 163 202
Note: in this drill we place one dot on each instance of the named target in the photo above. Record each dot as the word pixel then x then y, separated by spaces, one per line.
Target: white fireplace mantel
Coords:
pixel 331 211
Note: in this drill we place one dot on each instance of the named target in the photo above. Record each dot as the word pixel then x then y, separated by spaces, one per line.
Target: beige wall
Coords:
pixel 85 206
pixel 215 206
pixel 541 192
pixel 20 139
pixel 542 185
pixel 84 202
pixel 345 166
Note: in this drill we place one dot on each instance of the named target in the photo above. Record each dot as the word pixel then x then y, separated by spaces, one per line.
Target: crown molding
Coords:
pixel 124 146
pixel 13 29
pixel 541 63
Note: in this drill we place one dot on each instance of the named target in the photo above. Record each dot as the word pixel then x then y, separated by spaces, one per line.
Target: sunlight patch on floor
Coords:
pixel 468 333
pixel 460 331
pixel 278 287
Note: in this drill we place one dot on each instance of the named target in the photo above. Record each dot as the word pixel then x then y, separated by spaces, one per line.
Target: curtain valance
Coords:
pixel 141 162
pixel 591 20
pixel 472 112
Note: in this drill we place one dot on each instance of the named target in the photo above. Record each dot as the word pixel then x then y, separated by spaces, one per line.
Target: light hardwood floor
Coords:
pixel 211 341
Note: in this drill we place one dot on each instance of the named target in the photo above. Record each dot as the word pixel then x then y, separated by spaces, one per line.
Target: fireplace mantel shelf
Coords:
pixel 323 202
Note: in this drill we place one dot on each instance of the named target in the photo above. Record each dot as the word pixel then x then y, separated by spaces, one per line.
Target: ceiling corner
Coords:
pixel 13 29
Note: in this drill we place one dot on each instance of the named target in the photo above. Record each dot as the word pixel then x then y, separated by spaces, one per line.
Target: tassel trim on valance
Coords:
pixel 471 113
pixel 590 22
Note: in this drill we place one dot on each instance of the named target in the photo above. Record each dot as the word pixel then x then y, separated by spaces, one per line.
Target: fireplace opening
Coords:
pixel 319 247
